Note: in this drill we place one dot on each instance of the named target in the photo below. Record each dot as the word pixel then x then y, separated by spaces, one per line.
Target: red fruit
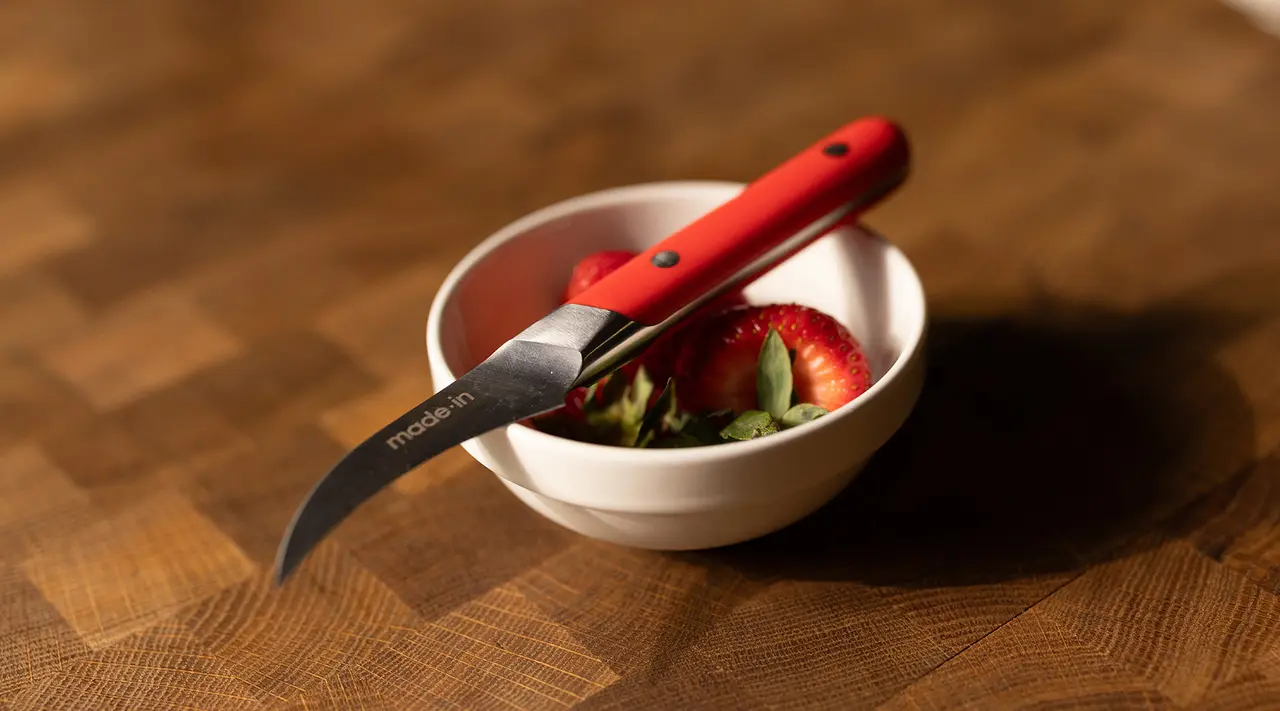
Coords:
pixel 659 358
pixel 575 401
pixel 717 365
pixel 593 268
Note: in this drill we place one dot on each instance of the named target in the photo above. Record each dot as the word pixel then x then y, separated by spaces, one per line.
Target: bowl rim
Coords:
pixel 640 192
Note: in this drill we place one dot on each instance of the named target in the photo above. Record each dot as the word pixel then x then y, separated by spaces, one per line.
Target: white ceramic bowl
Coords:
pixel 700 497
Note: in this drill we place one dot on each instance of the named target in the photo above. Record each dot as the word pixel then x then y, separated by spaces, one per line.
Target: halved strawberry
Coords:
pixel 659 358
pixel 717 365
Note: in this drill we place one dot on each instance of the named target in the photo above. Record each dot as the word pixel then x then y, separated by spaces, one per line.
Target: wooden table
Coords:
pixel 221 226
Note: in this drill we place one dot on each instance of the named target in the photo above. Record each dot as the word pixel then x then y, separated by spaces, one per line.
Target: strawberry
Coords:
pixel 720 365
pixel 660 355
pixel 594 267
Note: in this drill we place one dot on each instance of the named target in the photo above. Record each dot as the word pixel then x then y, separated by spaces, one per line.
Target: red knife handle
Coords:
pixel 863 159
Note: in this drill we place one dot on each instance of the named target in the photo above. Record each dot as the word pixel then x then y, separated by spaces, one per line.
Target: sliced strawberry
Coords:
pixel 659 358
pixel 717 365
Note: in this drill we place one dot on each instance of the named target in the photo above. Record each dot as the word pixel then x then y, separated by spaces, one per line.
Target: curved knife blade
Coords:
pixel 520 380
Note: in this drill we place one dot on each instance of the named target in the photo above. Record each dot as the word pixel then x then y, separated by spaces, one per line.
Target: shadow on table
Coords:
pixel 1044 441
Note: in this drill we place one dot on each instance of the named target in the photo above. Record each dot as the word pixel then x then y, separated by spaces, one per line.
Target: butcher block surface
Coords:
pixel 222 225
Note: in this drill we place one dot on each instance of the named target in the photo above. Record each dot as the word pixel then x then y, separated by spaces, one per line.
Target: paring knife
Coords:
pixel 828 184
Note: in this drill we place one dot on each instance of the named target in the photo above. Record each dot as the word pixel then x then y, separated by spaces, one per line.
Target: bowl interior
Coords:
pixel 518 275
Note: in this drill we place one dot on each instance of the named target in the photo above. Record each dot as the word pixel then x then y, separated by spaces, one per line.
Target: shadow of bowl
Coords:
pixel 1043 442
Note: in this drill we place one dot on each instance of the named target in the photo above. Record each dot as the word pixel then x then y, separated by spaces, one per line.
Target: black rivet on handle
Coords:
pixel 665 259
pixel 836 149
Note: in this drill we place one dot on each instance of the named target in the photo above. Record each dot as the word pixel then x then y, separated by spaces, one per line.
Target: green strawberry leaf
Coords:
pixel 573 428
pixel 637 397
pixel 605 427
pixel 615 389
pixel 773 376
pixel 800 414
pixel 627 413
pixel 662 410
pixel 602 396
pixel 699 428
pixel 795 394
pixel 750 425
pixel 676 420
pixel 611 411
pixel 673 418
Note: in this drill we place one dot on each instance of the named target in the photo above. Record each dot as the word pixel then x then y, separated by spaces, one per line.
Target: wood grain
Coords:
pixel 221 227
